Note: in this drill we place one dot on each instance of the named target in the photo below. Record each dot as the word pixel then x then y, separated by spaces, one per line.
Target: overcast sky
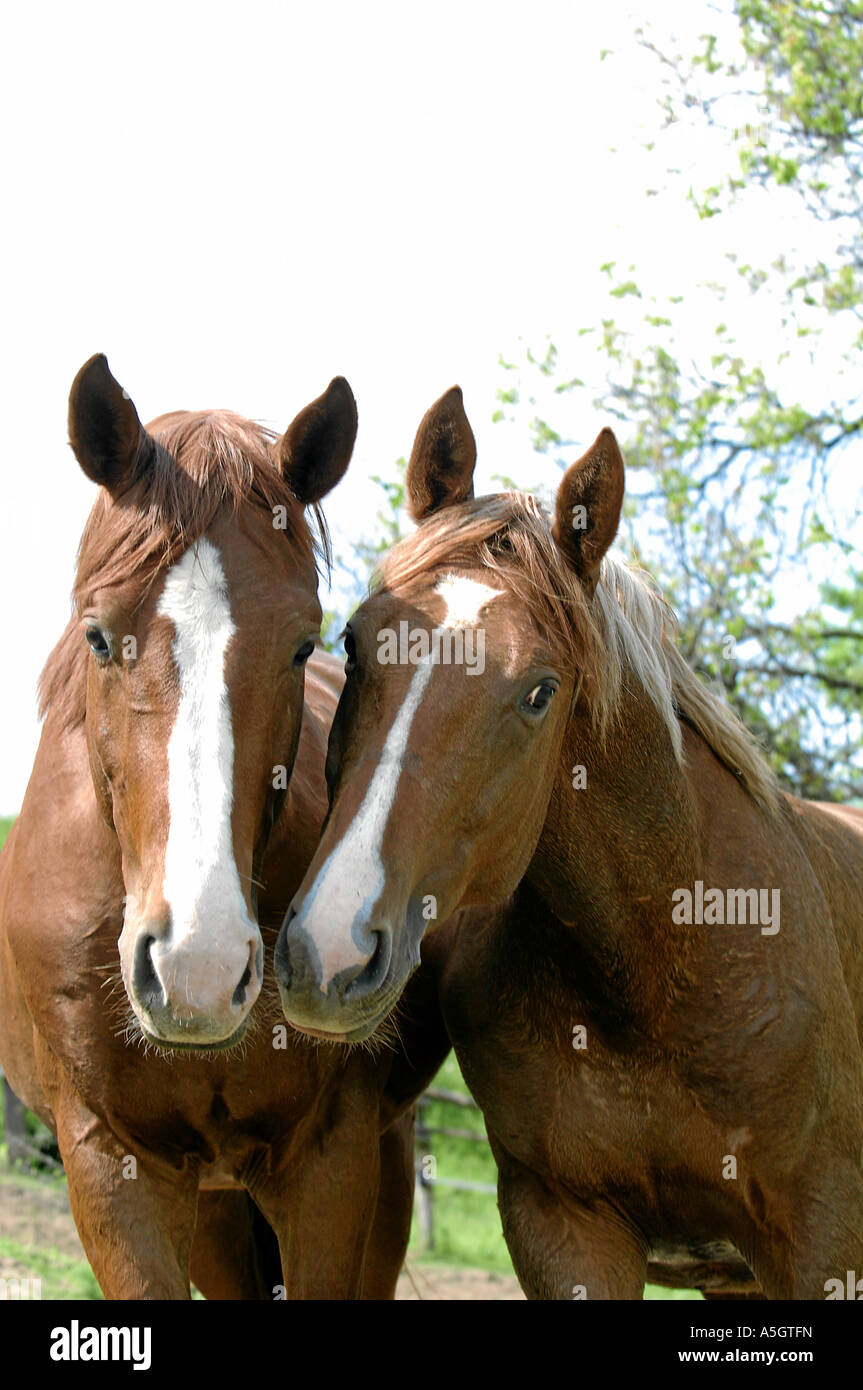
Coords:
pixel 236 203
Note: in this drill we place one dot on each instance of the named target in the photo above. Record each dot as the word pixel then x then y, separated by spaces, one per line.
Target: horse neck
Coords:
pixel 611 854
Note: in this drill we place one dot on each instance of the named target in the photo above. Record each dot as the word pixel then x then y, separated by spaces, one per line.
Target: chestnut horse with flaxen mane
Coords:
pixel 175 803
pixel 652 971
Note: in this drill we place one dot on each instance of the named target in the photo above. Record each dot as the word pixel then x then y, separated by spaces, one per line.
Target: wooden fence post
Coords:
pixel 423 1194
pixel 424 1198
pixel 15 1125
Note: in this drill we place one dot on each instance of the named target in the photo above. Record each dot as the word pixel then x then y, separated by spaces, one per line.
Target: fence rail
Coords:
pixel 424 1184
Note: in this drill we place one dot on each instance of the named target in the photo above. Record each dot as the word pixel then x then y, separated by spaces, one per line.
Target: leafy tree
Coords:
pixel 745 496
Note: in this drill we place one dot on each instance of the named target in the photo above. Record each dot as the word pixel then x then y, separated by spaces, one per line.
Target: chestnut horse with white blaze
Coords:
pixel 652 971
pixel 174 805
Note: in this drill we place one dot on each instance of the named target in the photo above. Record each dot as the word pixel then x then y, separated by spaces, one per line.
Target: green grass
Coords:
pixel 5 826
pixel 62 1276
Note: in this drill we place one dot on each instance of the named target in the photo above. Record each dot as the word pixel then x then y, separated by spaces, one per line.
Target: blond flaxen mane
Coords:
pixel 627 629
pixel 194 464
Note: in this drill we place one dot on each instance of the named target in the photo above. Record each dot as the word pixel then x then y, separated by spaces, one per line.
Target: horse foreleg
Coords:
pixel 235 1254
pixel 564 1250
pixel 817 1251
pixel 321 1204
pixel 136 1218
pixel 391 1230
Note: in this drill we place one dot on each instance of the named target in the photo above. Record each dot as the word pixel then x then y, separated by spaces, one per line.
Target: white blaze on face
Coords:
pixel 208 948
pixel 464 599
pixel 352 877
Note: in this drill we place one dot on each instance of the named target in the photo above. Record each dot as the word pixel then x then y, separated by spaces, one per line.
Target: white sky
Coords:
pixel 236 203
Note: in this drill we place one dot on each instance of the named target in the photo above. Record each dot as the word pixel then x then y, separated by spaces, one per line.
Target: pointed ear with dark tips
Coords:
pixel 315 450
pixel 587 510
pixel 104 430
pixel 440 471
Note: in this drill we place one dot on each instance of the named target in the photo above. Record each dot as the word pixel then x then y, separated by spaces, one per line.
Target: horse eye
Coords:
pixel 540 697
pixel 350 650
pixel 97 643
pixel 304 653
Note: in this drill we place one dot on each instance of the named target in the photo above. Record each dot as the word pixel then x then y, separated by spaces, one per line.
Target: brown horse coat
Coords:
pixel 256 1166
pixel 649 959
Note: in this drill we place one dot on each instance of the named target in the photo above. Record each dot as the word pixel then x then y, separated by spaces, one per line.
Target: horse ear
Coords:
pixel 587 510
pixel 440 471
pixel 315 450
pixel 104 430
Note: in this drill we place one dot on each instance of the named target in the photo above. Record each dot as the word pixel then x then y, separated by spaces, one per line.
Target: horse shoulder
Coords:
pixel 62 871
pixel 61 905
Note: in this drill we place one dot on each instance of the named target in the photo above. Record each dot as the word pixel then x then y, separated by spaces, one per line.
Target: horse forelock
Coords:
pixel 626 629
pixel 191 465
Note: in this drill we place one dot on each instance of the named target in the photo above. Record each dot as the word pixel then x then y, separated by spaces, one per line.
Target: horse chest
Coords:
pixel 574 1115
pixel 572 1101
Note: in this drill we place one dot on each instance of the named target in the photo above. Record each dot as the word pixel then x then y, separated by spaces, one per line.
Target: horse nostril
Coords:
pixel 371 976
pixel 256 957
pixel 239 995
pixel 145 979
pixel 373 964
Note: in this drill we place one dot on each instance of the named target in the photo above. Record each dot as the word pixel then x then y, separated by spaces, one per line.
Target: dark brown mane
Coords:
pixel 191 464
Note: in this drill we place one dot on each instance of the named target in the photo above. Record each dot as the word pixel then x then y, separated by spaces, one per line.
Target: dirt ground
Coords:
pixel 38 1216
